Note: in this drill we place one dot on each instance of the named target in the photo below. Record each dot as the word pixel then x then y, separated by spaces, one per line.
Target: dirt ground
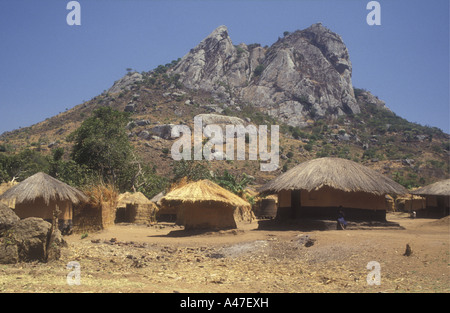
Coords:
pixel 162 258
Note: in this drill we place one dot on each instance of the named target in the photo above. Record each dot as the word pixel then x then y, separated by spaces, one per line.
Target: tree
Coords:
pixel 192 170
pixel 235 184
pixel 147 181
pixel 22 165
pixel 101 144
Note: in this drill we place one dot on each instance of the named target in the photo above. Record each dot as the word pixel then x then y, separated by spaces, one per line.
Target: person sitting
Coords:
pixel 341 222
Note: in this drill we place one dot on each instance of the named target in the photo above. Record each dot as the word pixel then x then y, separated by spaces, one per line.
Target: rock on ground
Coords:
pixel 30 239
pixel 7 218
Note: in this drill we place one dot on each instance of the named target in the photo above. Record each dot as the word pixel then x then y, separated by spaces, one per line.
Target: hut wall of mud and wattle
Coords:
pixel 138 213
pixel 93 217
pixel 326 202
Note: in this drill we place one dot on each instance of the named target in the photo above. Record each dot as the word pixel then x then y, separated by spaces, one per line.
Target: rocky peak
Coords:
pixel 125 82
pixel 208 61
pixel 331 45
pixel 368 97
pixel 304 75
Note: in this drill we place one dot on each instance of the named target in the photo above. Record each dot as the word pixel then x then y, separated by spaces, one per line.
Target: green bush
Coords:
pixel 234 183
pixel 258 70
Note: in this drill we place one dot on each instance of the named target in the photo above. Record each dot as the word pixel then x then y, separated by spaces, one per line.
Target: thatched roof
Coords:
pixel 203 191
pixel 43 186
pixel 336 173
pixel 440 188
pixel 133 198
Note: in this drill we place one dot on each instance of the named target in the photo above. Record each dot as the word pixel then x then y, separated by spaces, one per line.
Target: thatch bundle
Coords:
pixel 340 174
pixel 440 188
pixel 3 188
pixel 45 187
pixel 100 194
pixel 204 204
pixel 98 211
pixel 410 203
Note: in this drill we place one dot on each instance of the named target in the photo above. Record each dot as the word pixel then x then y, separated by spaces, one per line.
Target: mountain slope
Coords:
pixel 302 83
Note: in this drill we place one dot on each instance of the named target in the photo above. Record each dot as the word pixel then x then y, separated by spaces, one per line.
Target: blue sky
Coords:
pixel 47 66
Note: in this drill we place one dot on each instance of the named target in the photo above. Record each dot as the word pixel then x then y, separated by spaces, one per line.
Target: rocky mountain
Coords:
pixel 301 83
pixel 304 75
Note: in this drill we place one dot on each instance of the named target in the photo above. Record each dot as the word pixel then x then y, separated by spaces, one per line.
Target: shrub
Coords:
pixel 258 70
pixel 308 147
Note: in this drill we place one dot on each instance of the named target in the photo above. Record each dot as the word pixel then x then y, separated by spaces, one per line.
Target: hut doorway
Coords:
pixel 295 203
pixel 121 215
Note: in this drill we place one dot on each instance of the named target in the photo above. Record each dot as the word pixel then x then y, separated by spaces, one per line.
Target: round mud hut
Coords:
pixel 43 196
pixel 135 208
pixel 206 205
pixel 437 197
pixel 320 188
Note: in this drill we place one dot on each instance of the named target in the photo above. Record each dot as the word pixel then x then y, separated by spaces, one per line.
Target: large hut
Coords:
pixel 437 197
pixel 43 196
pixel 204 204
pixel 319 188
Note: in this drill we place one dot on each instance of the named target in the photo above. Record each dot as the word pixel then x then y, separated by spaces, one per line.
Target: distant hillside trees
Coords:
pixel 101 153
pixel 22 165
pixel 101 145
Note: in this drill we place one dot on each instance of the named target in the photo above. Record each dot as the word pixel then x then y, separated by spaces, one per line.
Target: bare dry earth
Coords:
pixel 163 258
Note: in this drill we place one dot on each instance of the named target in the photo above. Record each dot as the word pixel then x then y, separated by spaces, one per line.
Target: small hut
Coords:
pixel 43 196
pixel 319 188
pixel 437 197
pixel 204 204
pixel 135 208
pixel 99 211
pixel 410 203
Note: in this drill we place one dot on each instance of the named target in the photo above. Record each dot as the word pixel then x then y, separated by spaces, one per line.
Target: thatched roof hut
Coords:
pixel 440 188
pixel 331 183
pixel 132 197
pixel 336 173
pixel 41 195
pixel 135 208
pixel 437 197
pixel 204 204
